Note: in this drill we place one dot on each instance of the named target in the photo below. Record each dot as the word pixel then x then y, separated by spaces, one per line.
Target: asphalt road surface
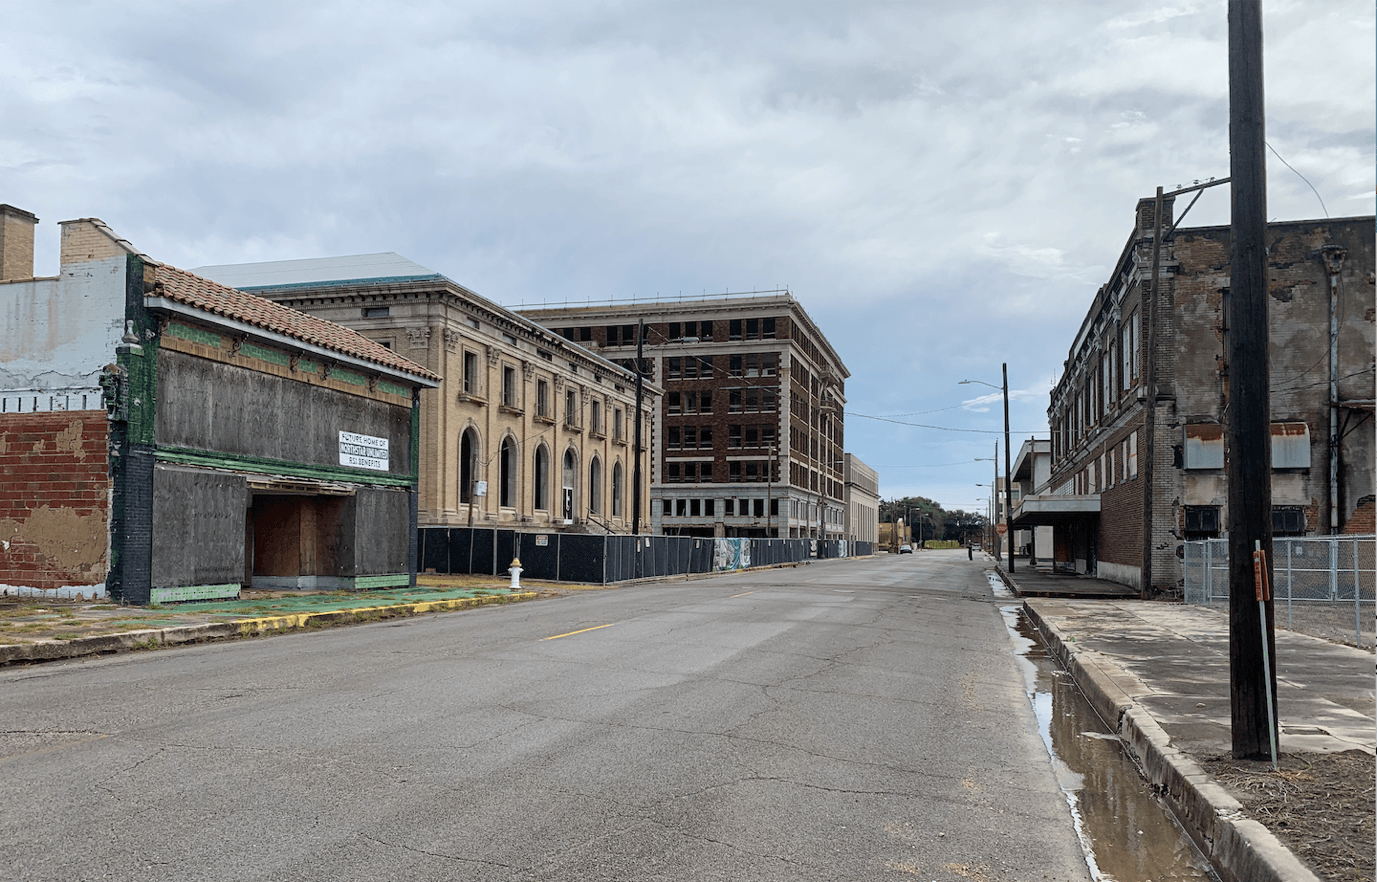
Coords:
pixel 847 720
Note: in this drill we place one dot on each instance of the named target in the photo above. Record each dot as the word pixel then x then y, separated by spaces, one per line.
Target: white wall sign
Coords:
pixel 363 451
pixel 480 488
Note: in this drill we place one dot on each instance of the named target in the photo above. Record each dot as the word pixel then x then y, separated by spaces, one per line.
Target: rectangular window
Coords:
pixel 571 409
pixel 673 368
pixel 1132 353
pixel 690 437
pixel 585 335
pixel 1290 446
pixel 666 507
pixel 705 331
pixel 613 335
pixel 759 506
pixel 377 311
pixel 470 373
pixel 672 440
pixel 752 436
pixel 674 332
pixel 734 366
pixel 595 417
pixel 616 424
pixel 1288 521
pixel 695 508
pixel 705 401
pixel 1133 455
pixel 767 329
pixel 734 471
pixel 691 368
pixel 542 398
pixel 733 436
pixel 705 473
pixel 509 386
pixel 705 437
pixel 734 329
pixel 681 507
pixel 709 505
pixel 672 472
pixel 674 404
pixel 752 329
pixel 734 400
pixel 705 365
pixel 729 508
pixel 774 507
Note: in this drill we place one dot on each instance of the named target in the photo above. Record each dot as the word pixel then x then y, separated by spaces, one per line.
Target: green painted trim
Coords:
pixel 396 580
pixel 263 466
pixel 195 335
pixel 309 367
pixel 349 377
pixel 415 444
pixel 196 592
pixel 393 389
pixel 272 356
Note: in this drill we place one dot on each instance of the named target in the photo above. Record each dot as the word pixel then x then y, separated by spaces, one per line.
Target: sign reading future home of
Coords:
pixel 363 451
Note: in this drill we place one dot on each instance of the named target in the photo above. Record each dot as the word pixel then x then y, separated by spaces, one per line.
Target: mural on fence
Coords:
pixel 731 554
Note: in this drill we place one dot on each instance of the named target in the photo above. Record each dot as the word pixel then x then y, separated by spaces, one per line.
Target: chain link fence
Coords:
pixel 1325 586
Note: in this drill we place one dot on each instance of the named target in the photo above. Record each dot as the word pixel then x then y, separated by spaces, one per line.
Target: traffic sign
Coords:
pixel 1001 529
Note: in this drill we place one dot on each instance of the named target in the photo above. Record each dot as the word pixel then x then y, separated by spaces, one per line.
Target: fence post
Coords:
pixel 1333 570
pixel 1289 591
pixel 1357 600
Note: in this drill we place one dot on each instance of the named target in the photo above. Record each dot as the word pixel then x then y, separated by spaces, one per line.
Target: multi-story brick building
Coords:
pixel 749 435
pixel 1121 506
pixel 528 431
pixel 862 501
pixel 163 437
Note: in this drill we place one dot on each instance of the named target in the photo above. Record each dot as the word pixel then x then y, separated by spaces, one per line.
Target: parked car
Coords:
pixel 905 549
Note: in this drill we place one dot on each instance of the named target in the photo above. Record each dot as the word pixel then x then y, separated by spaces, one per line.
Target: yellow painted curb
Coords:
pixel 303 620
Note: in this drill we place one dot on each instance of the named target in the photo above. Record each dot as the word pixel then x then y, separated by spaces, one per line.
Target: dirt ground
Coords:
pixel 1319 805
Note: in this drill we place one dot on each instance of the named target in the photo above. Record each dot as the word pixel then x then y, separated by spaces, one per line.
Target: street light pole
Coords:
pixel 1008 475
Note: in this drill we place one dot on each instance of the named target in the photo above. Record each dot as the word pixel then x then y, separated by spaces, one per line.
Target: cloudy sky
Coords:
pixel 943 185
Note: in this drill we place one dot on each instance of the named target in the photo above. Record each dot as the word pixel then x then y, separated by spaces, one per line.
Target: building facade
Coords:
pixel 862 501
pixel 165 438
pixel 1138 416
pixel 527 431
pixel 748 438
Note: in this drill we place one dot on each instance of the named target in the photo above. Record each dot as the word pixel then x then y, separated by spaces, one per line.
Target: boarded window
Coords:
pixel 1290 446
pixel 1204 446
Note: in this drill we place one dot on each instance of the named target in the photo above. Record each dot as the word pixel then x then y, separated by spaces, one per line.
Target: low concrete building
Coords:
pixel 164 437
pixel 862 501
pixel 528 431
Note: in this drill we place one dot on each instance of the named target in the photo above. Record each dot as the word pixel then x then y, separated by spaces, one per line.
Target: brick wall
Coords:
pixel 54 500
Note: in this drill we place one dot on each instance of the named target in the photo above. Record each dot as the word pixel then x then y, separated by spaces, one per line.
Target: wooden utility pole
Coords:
pixel 1249 469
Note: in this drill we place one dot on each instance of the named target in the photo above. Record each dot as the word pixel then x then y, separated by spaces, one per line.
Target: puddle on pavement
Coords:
pixel 1127 834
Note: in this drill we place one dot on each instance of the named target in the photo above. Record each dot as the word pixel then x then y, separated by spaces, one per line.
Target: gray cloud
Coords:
pixel 943 185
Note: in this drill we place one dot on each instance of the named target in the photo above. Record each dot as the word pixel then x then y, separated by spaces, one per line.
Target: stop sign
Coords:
pixel 1001 529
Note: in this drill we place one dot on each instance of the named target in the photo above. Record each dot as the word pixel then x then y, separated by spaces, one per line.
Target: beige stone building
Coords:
pixel 528 431
pixel 862 501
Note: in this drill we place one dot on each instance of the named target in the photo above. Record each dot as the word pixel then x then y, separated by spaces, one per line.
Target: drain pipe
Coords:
pixel 1333 257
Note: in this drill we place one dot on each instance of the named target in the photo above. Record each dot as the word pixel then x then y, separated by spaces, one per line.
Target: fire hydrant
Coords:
pixel 515 570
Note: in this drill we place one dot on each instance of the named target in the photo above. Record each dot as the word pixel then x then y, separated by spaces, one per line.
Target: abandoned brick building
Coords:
pixel 749 434
pixel 164 437
pixel 1121 509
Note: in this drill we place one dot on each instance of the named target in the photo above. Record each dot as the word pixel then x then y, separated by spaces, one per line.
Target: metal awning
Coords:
pixel 1055 511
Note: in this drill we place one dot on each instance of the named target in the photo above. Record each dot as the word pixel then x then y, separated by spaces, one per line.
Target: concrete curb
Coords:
pixel 1241 849
pixel 153 638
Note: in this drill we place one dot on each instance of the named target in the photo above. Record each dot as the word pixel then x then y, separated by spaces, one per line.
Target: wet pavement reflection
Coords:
pixel 1127 834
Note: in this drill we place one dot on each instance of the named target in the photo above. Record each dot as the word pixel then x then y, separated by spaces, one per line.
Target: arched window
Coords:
pixel 507 490
pixel 595 485
pixel 617 490
pixel 468 456
pixel 568 483
pixel 542 478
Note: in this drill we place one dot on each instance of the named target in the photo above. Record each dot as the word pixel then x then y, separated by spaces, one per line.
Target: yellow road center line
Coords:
pixel 742 594
pixel 584 630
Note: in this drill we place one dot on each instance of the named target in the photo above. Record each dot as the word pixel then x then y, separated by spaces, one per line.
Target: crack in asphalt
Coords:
pixel 435 854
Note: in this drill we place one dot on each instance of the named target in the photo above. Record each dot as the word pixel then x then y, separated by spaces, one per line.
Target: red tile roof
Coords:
pixel 212 297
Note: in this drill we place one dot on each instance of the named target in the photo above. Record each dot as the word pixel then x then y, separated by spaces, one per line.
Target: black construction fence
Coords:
pixel 579 557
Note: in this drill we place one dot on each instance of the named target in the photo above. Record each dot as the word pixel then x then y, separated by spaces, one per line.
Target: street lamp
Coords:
pixel 1008 474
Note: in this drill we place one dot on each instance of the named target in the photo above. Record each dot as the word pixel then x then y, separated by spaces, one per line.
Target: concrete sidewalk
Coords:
pixel 1158 673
